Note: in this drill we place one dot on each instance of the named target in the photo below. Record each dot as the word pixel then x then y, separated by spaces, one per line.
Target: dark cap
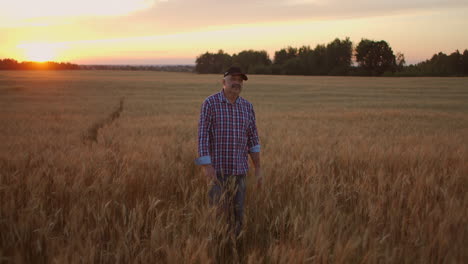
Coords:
pixel 236 71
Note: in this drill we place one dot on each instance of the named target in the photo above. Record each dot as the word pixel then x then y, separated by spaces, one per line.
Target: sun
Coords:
pixel 41 52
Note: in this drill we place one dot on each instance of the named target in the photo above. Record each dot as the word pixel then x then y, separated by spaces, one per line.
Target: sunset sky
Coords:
pixel 176 31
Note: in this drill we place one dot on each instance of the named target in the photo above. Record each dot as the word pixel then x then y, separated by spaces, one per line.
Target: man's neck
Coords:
pixel 231 97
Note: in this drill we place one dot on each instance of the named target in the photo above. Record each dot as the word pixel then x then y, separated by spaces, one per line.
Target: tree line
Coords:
pixel 163 68
pixel 441 64
pixel 11 64
pixel 373 58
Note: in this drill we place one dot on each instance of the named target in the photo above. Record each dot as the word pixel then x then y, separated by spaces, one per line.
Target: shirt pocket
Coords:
pixel 217 119
pixel 244 120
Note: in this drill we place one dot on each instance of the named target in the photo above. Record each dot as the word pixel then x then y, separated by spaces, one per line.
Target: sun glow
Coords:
pixel 41 52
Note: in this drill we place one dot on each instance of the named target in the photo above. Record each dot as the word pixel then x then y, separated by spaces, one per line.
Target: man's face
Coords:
pixel 233 84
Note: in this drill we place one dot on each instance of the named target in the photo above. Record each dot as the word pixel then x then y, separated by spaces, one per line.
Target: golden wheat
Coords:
pixel 357 170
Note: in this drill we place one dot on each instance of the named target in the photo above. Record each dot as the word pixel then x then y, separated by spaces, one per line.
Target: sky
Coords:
pixel 177 31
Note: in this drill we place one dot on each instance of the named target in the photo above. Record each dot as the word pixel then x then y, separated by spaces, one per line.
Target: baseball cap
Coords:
pixel 236 71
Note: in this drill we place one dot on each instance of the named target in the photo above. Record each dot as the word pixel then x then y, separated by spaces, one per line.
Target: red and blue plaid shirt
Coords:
pixel 226 134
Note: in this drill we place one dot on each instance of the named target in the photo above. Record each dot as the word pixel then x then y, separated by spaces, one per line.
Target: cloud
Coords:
pixel 178 15
pixel 20 12
pixel 91 19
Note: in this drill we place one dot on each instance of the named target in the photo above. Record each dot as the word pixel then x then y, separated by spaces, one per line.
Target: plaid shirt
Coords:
pixel 226 134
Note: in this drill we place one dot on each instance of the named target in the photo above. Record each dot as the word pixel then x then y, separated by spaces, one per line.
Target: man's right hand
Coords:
pixel 210 173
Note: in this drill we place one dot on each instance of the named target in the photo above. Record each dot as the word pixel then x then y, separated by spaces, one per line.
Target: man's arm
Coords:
pixel 255 156
pixel 204 127
pixel 253 143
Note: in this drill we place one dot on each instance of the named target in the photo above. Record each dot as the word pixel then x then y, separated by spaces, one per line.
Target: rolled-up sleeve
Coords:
pixel 204 126
pixel 253 142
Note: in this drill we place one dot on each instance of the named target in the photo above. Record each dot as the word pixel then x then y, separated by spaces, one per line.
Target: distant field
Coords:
pixel 357 170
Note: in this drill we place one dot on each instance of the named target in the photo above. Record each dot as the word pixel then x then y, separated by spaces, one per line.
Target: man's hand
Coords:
pixel 259 177
pixel 210 173
pixel 258 169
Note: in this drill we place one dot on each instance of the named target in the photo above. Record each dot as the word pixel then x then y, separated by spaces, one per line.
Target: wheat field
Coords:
pixel 98 167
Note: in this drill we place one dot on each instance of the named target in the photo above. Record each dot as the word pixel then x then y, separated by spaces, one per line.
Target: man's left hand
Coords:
pixel 259 177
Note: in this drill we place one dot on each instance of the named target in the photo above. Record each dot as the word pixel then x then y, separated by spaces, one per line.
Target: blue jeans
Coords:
pixel 228 195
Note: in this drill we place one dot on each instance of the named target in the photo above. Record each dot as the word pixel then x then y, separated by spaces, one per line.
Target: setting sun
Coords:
pixel 41 52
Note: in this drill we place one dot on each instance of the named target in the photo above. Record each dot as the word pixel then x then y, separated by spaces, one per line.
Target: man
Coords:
pixel 227 133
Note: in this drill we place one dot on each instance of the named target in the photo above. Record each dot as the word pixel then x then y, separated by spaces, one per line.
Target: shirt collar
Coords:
pixel 224 99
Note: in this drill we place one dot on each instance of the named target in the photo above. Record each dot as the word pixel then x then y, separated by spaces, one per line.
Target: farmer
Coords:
pixel 227 132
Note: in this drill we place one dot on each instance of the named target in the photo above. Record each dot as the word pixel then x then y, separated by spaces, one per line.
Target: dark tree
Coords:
pixel 9 64
pixel 375 57
pixel 292 66
pixel 332 59
pixel 339 54
pixel 305 61
pixel 251 60
pixel 213 62
pixel 283 55
pixel 464 63
pixel 455 63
